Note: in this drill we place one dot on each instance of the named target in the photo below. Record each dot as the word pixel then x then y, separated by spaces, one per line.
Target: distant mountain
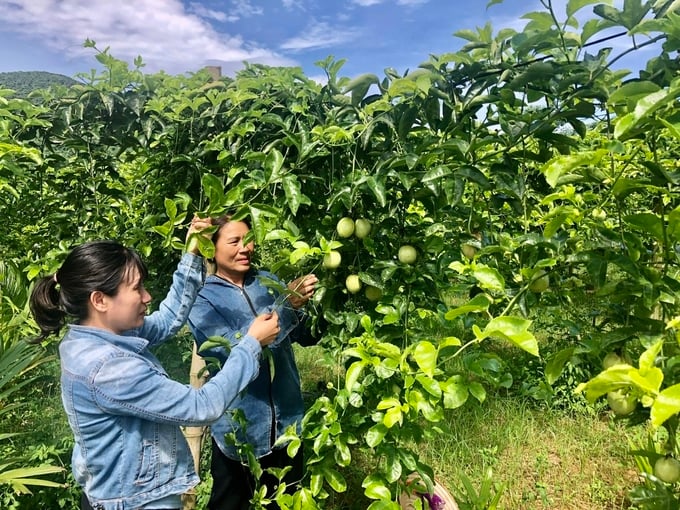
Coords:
pixel 25 82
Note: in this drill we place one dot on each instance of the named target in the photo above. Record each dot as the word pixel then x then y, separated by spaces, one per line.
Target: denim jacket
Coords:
pixel 126 413
pixel 269 405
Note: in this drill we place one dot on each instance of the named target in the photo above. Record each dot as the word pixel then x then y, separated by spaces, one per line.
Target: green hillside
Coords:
pixel 24 82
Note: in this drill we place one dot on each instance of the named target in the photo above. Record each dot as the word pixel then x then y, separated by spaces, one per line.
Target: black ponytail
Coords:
pixel 44 303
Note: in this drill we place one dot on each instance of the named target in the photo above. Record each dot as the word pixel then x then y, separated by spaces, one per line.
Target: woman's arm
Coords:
pixel 187 279
pixel 150 394
pixel 173 311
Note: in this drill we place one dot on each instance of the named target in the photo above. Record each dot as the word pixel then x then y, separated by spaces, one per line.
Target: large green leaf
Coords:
pixel 573 6
pixel 425 355
pixel 563 165
pixel 514 329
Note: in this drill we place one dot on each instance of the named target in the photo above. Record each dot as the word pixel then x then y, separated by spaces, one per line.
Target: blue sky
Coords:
pixel 184 35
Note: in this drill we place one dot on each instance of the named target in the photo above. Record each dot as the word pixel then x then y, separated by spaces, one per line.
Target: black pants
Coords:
pixel 234 484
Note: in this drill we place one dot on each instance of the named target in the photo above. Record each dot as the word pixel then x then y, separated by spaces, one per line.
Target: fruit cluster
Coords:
pixel 347 227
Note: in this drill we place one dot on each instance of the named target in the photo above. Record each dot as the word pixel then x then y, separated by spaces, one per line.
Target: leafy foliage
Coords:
pixel 25 82
pixel 530 147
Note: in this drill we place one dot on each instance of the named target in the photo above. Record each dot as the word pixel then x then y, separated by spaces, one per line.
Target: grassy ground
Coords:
pixel 545 459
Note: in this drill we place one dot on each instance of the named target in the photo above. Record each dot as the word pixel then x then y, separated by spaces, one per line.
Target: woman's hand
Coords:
pixel 302 289
pixel 197 226
pixel 265 327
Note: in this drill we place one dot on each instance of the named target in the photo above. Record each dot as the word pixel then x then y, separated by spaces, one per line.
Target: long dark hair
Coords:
pixel 94 266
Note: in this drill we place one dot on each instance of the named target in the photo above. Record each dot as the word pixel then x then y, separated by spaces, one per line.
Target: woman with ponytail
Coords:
pixel 124 410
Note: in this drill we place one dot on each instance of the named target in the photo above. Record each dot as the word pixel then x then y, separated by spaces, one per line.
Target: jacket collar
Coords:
pixel 247 280
pixel 127 340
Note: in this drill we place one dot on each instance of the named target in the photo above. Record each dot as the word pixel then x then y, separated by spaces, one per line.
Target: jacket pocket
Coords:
pixel 147 463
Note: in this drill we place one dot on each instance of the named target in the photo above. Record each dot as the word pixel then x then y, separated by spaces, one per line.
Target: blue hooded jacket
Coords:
pixel 273 401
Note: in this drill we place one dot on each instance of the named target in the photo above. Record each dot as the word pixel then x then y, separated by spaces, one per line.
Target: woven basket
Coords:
pixel 414 493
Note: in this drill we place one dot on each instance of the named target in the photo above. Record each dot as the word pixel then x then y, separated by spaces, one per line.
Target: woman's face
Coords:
pixel 232 257
pixel 128 307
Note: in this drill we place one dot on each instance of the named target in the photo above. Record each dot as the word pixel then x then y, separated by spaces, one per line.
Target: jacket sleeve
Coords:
pixel 174 310
pixel 302 334
pixel 150 394
pixel 211 317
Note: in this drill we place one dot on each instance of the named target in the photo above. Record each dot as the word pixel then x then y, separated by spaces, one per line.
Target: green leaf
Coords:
pixel 631 92
pixel 666 404
pixel 386 350
pixel 561 165
pixel 622 376
pixel 555 364
pixel 304 500
pixel 646 222
pixel 378 190
pixel 20 478
pixel 673 229
pixel 455 393
pixel 392 417
pixel 353 373
pixel 376 434
pixel 613 378
pixel 205 246
pixel 384 505
pixel 644 108
pixel 514 329
pixel 477 390
pixel 316 483
pixel 540 21
pixel 430 385
pixel 273 163
pixel 649 356
pixel 475 175
pixel 334 479
pixel 479 303
pixel 673 129
pixel 377 490
pixel 592 27
pixel 291 187
pixel 214 190
pixel 393 468
pixel 425 355
pixel 437 173
pixel 170 209
pixel 629 17
pixel 574 6
pixel 488 277
pixel 358 87
pixel 342 455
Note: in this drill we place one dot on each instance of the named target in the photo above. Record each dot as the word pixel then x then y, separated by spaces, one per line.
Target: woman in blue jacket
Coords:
pixel 124 410
pixel 226 306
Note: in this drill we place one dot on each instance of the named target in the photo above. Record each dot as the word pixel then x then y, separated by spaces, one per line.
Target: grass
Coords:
pixel 545 459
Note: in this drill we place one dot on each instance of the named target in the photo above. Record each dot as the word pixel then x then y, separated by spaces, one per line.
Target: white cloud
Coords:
pixel 204 12
pixel 318 35
pixel 243 9
pixel 366 3
pixel 291 4
pixel 166 35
